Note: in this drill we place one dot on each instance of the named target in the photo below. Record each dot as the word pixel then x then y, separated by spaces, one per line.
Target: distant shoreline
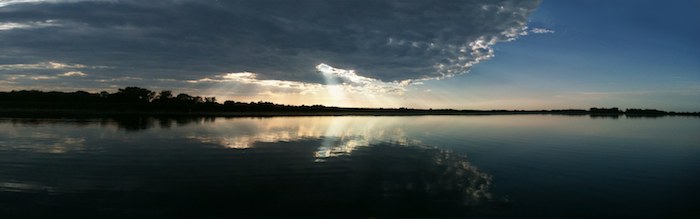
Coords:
pixel 136 101
pixel 73 113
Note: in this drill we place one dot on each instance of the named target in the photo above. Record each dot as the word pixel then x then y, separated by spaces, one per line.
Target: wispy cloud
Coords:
pixel 42 77
pixel 4 26
pixel 4 3
pixel 46 65
pixel 73 74
pixel 541 31
pixel 250 78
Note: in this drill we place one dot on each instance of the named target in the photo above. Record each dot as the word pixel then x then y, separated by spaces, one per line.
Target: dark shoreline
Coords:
pixel 75 113
pixel 136 101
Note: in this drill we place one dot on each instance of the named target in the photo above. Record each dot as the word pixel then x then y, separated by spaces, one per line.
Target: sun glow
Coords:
pixel 341 87
pixel 333 87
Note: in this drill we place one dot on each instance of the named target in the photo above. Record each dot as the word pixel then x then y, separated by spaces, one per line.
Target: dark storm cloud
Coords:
pixel 283 40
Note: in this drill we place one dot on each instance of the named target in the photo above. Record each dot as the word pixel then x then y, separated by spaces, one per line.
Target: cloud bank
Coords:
pixel 363 45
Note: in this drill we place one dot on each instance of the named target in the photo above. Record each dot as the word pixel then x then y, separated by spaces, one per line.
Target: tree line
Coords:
pixel 136 98
pixel 144 100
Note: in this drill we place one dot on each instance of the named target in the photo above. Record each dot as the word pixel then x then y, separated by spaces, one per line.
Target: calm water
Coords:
pixel 437 166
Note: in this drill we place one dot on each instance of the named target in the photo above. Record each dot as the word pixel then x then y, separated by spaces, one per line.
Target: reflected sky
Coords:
pixel 296 165
pixel 432 166
pixel 340 135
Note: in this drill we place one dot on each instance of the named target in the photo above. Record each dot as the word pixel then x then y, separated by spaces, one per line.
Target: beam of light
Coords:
pixel 334 88
pixel 341 87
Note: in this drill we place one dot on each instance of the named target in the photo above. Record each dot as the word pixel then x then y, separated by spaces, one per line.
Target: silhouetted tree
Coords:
pixel 210 99
pixel 613 110
pixel 134 94
pixel 165 95
pixel 198 99
pixel 184 98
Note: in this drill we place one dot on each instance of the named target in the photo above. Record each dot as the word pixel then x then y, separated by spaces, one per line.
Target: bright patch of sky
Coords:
pixel 448 54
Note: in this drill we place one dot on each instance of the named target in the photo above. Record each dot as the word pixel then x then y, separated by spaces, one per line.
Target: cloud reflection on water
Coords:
pixel 340 135
pixel 42 142
pixel 368 164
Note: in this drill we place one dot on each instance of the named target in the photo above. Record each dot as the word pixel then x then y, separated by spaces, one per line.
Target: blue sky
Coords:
pixel 643 54
pixel 445 54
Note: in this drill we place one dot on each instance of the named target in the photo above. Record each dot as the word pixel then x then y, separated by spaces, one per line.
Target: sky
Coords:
pixel 363 53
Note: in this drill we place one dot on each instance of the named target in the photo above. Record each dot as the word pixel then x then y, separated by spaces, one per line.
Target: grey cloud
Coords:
pixel 283 40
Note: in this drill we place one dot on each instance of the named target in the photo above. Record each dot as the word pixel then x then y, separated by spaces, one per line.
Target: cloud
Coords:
pixel 73 74
pixel 341 80
pixel 541 30
pixel 348 76
pixel 45 65
pixel 42 77
pixel 386 43
pixel 4 26
pixel 249 78
pixel 4 3
pixel 354 83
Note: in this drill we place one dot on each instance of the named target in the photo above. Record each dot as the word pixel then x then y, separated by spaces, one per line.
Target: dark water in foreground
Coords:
pixel 423 166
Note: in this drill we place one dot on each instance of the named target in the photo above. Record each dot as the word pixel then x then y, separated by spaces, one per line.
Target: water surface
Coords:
pixel 420 166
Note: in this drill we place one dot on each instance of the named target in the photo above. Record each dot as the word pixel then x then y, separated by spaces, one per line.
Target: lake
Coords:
pixel 391 166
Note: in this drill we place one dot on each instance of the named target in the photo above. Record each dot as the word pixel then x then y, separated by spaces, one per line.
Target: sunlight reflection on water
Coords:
pixel 534 166
pixel 341 135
